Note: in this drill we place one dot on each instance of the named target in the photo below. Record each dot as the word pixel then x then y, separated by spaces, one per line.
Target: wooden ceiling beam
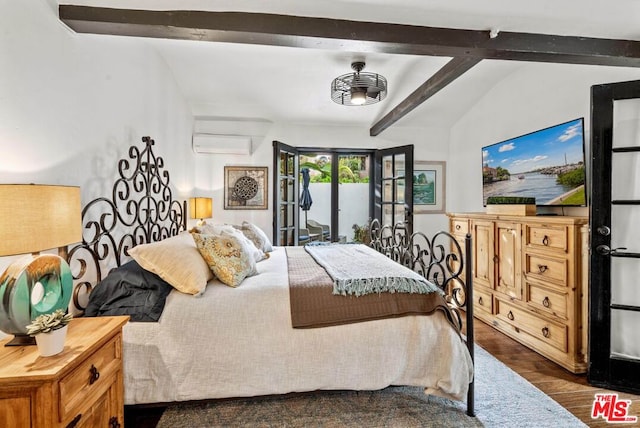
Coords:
pixel 339 34
pixel 447 74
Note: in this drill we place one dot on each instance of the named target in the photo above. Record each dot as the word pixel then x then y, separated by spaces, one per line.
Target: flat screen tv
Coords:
pixel 547 164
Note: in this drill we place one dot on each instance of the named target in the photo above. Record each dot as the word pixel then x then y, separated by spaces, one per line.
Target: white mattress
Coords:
pixel 237 342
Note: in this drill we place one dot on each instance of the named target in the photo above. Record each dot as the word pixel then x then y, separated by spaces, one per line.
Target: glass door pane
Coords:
pixel 353 197
pixel 625 187
pixel 285 224
pixel 315 220
pixel 394 186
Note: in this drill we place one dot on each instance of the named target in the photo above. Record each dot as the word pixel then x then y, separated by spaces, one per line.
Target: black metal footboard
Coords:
pixel 440 259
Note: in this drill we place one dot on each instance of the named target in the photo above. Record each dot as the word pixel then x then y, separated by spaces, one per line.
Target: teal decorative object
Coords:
pixel 32 286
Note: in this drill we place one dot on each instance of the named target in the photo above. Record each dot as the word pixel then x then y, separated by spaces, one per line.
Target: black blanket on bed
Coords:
pixel 129 290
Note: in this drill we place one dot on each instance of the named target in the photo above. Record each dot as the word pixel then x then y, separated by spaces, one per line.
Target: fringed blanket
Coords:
pixel 358 270
pixel 313 303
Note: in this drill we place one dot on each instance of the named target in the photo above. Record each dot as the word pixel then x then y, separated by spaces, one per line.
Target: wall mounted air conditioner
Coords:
pixel 222 144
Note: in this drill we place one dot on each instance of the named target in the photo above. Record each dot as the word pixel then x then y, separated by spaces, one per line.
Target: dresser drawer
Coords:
pixel 552 334
pixel 92 377
pixel 553 270
pixel 547 300
pixel 459 226
pixel 482 301
pixel 545 237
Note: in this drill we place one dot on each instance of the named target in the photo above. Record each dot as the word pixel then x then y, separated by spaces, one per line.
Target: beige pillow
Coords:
pixel 228 256
pixel 177 261
pixel 257 236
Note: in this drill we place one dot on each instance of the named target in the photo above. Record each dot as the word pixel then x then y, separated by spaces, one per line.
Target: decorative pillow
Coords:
pixel 218 229
pixel 227 256
pixel 177 261
pixel 212 229
pixel 257 236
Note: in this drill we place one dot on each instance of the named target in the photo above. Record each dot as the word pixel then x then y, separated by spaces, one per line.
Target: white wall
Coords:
pixel 535 96
pixel 431 144
pixel 72 104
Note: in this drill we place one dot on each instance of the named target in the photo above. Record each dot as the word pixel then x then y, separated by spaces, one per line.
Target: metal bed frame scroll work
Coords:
pixel 440 260
pixel 142 210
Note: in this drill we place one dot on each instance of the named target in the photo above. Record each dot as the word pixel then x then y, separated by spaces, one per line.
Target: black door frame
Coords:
pixel 279 147
pixel 605 370
pixel 335 202
pixel 375 182
pixel 407 201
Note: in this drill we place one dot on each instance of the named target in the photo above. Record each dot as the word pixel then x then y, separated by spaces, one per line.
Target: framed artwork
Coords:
pixel 429 187
pixel 245 188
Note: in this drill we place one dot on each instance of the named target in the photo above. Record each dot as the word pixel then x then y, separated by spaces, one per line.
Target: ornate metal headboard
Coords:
pixel 141 210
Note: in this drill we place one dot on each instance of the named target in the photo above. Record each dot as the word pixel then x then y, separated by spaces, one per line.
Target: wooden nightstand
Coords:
pixel 80 387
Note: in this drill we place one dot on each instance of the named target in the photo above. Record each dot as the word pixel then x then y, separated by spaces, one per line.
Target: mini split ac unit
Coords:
pixel 222 144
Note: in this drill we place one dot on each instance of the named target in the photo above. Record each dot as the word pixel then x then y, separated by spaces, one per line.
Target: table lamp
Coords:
pixel 201 208
pixel 35 218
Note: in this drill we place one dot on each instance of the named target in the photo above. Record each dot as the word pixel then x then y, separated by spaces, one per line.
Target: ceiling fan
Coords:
pixel 358 88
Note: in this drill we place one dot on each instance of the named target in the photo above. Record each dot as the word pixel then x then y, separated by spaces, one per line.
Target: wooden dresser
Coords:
pixel 80 387
pixel 530 280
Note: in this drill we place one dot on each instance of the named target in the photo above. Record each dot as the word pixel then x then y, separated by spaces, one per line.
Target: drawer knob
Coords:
pixel 480 301
pixel 94 374
pixel 546 303
pixel 113 422
pixel 510 316
pixel 75 421
pixel 545 240
pixel 457 227
pixel 542 268
pixel 545 332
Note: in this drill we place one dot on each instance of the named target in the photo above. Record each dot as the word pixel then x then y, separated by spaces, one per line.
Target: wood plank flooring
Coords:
pixel 571 391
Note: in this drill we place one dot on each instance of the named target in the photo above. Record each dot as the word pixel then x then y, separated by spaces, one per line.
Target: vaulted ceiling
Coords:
pixel 276 60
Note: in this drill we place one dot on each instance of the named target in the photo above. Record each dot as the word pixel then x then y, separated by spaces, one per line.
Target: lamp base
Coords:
pixel 21 340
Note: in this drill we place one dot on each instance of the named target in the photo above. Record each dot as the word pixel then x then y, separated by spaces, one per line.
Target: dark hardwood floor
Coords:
pixel 570 390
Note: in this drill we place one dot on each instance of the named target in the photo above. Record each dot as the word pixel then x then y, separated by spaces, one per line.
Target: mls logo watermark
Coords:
pixel 612 409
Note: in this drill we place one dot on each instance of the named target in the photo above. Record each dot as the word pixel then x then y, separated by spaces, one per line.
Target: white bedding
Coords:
pixel 237 342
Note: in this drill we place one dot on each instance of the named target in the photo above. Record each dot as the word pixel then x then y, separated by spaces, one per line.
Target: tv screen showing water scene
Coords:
pixel 547 165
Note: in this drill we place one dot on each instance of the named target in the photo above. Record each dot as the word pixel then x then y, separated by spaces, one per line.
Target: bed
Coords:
pixel 244 341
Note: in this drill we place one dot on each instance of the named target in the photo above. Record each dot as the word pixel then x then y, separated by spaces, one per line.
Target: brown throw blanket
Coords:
pixel 313 303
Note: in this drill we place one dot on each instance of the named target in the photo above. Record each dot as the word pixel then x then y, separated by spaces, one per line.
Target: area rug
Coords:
pixel 503 399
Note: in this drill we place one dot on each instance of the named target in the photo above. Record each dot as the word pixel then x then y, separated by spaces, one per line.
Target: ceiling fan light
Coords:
pixel 358 88
pixel 358 96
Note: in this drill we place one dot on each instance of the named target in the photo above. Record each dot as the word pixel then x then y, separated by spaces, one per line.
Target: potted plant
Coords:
pixel 361 234
pixel 50 331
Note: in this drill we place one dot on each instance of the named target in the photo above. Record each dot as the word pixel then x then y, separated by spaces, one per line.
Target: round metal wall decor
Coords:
pixel 245 188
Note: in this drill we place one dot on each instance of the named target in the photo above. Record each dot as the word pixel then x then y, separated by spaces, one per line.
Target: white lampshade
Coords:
pixel 358 97
pixel 38 217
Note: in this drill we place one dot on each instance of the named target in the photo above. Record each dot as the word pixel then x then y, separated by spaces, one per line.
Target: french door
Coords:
pixel 390 196
pixel 614 324
pixel 394 186
pixel 285 194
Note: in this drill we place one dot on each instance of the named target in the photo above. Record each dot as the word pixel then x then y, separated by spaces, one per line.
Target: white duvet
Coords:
pixel 238 342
